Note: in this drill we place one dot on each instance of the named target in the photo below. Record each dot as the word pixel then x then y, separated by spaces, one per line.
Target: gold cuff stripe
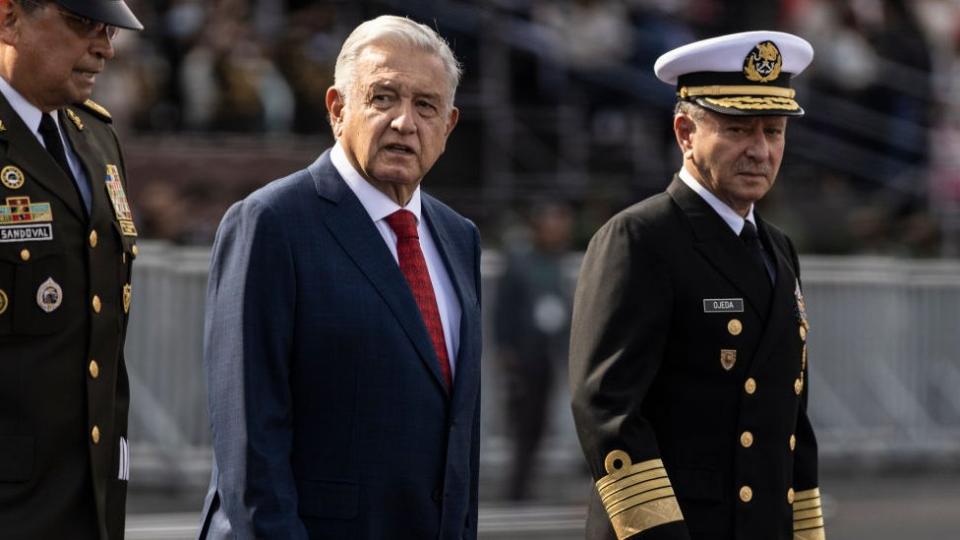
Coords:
pixel 807 494
pixel 632 480
pixel 807 514
pixel 806 505
pixel 736 90
pixel 812 534
pixel 637 495
pixel 628 470
pixel 645 516
pixel 808 524
pixel 749 103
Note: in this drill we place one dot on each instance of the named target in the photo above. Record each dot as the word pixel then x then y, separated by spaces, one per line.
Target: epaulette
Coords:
pixel 97 110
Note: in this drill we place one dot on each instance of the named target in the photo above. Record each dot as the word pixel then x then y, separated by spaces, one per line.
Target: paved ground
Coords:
pixel 890 506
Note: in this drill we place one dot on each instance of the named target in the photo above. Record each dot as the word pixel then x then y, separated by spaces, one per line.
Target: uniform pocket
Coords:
pixel 32 280
pixel 329 500
pixel 16 458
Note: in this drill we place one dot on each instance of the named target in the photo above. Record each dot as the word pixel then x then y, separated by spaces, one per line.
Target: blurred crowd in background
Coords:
pixel 558 103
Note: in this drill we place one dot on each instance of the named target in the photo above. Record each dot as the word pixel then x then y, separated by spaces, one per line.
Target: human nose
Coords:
pixel 757 146
pixel 102 45
pixel 404 120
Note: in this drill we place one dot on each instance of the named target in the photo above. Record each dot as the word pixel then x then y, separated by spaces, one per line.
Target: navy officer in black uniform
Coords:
pixel 688 359
pixel 67 240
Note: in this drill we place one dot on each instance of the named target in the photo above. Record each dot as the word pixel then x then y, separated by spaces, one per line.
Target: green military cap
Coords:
pixel 112 12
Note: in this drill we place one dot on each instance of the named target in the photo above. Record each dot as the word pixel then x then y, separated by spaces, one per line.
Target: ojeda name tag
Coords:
pixel 723 305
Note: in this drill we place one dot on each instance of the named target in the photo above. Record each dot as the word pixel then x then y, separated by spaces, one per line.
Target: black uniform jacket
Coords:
pixel 64 297
pixel 688 375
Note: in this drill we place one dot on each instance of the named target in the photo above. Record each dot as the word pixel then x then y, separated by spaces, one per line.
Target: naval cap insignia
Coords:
pixel 49 295
pixel 12 177
pixel 763 63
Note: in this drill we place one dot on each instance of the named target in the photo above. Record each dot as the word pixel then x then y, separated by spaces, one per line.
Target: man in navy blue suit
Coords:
pixel 343 321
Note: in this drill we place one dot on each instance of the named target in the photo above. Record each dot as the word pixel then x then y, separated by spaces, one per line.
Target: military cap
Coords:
pixel 112 12
pixel 743 74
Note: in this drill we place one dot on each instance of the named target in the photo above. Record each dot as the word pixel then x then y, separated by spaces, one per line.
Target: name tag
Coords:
pixel 26 233
pixel 723 305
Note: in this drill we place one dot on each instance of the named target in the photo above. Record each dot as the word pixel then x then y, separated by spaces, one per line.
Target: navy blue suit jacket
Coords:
pixel 330 417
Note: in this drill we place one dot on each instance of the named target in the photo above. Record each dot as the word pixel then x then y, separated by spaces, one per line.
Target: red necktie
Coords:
pixel 414 268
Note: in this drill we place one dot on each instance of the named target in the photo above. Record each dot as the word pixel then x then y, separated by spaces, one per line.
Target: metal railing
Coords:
pixel 884 364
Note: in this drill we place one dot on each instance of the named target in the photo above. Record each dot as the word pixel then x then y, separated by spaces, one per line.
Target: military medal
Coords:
pixel 12 177
pixel 49 295
pixel 118 197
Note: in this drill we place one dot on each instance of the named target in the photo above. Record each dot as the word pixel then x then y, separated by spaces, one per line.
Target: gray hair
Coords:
pixel 690 109
pixel 393 29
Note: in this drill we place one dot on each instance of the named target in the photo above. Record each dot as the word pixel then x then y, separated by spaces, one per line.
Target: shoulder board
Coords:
pixel 96 109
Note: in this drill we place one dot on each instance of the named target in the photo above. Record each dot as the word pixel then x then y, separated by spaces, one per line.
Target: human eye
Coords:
pixel 381 99
pixel 427 107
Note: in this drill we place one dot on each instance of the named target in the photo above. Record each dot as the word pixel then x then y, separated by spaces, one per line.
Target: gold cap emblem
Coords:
pixel 763 63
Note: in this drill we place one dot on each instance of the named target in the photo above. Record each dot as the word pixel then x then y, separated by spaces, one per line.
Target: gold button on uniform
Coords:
pixel 746 494
pixel 93 239
pixel 750 386
pixel 803 332
pixel 96 304
pixel 95 435
pixel 793 442
pixel 94 369
pixel 746 439
pixel 798 386
pixel 25 255
pixel 734 327
pixel 790 495
pixel 135 250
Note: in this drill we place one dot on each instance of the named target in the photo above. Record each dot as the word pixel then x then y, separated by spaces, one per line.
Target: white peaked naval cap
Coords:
pixel 748 73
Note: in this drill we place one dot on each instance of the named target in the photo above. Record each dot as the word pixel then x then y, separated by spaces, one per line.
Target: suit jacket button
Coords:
pixel 93 238
pixel 746 494
pixel 790 495
pixel 793 442
pixel 25 255
pixel 746 439
pixel 96 304
pixel 94 369
pixel 734 327
pixel 95 435
pixel 750 386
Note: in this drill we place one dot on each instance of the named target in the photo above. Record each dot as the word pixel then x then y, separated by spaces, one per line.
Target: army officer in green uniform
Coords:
pixel 688 358
pixel 67 241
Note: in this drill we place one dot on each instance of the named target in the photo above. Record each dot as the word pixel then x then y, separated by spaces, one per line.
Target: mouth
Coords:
pixel 89 76
pixel 401 149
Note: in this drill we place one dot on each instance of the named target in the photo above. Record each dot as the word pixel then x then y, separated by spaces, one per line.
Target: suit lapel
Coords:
pixel 28 153
pixel 351 226
pixel 455 262
pixel 722 248
pixel 94 168
pixel 782 306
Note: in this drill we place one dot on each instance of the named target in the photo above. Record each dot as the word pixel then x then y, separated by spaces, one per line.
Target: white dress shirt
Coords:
pixel 731 217
pixel 379 206
pixel 31 117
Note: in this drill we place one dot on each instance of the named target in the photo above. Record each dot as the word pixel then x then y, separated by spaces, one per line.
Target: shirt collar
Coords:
pixel 732 218
pixel 28 112
pixel 374 201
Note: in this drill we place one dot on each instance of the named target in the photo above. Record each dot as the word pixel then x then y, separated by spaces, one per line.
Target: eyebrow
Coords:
pixel 386 85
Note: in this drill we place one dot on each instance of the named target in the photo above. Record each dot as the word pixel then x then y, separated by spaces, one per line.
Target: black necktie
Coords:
pixel 53 142
pixel 752 240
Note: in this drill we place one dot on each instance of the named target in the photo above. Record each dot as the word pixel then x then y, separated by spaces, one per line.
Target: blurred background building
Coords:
pixel 559 102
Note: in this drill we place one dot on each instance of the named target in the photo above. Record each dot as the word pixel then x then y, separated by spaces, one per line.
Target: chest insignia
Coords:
pixel 24 221
pixel 728 358
pixel 49 295
pixel 118 197
pixel 12 177
pixel 723 305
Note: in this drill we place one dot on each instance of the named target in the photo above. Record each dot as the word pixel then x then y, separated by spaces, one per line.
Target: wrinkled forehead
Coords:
pixel 398 63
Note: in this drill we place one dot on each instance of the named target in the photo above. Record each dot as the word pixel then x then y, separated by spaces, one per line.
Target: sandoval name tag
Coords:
pixel 723 305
